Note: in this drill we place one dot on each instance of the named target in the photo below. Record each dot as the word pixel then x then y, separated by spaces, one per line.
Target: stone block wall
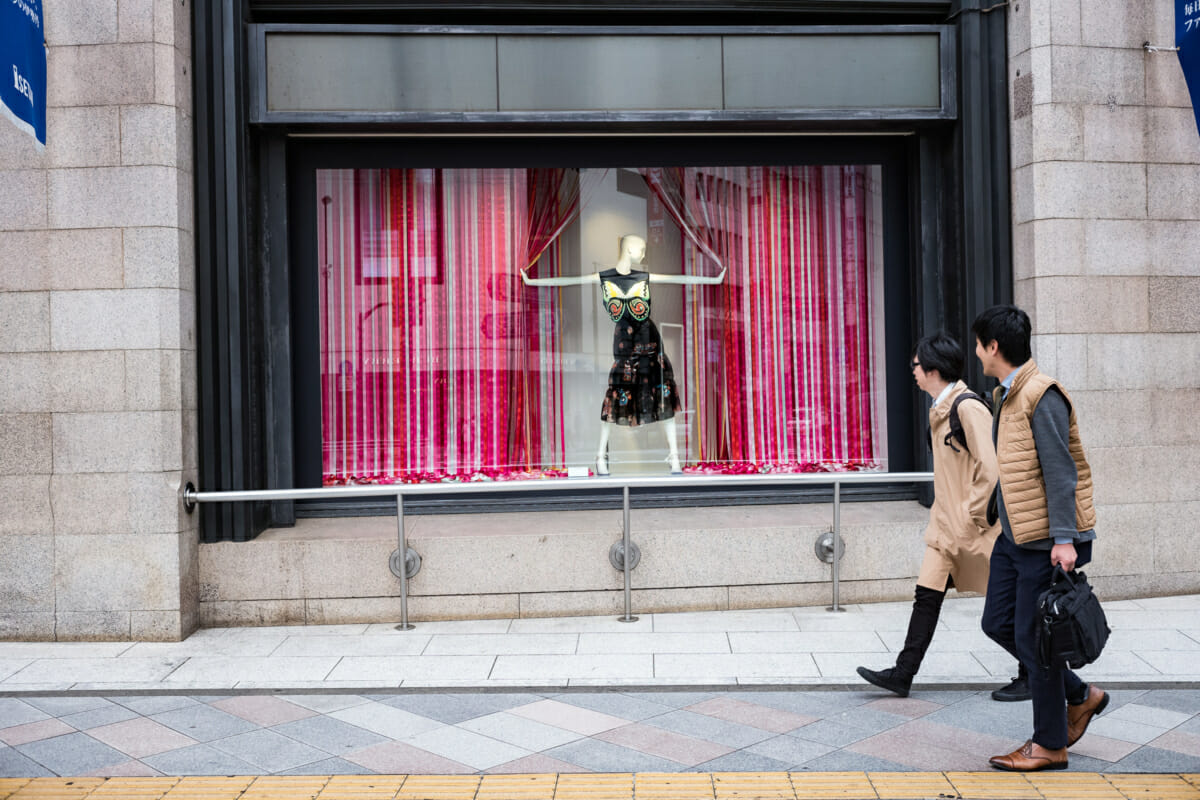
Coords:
pixel 97 362
pixel 1106 223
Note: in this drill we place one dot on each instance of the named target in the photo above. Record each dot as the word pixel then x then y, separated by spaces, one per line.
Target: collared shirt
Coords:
pixel 944 394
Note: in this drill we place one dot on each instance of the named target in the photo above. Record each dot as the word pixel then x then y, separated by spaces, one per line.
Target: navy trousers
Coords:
pixel 1017 575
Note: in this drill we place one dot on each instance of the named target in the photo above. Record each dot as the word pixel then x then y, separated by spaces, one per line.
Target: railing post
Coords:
pixel 837 542
pixel 627 560
pixel 402 543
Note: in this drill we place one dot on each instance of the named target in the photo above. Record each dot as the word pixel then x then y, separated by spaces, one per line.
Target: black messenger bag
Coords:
pixel 1072 629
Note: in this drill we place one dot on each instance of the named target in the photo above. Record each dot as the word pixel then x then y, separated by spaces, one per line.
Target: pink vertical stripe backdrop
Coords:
pixel 435 365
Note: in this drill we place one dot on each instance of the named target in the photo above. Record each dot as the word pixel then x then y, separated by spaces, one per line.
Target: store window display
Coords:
pixel 452 347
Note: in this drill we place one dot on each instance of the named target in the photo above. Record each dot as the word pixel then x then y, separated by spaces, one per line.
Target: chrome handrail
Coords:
pixel 192 496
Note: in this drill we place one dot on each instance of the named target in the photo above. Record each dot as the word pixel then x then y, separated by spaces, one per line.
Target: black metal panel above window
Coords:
pixel 585 77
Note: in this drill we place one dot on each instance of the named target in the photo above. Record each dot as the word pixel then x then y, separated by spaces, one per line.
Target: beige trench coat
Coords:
pixel 958 540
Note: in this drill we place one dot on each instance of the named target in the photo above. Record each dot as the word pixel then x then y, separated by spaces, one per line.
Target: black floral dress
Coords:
pixel 641 384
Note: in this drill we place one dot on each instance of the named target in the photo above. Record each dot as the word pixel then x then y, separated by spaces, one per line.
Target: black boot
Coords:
pixel 927 607
pixel 1018 690
pixel 891 679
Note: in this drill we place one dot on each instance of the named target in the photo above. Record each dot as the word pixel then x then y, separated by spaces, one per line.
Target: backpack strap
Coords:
pixel 956 433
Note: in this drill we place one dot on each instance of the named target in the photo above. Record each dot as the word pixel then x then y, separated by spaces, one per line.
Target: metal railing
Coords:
pixel 628 554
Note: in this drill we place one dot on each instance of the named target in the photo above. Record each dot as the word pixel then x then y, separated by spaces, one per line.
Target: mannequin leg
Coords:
pixel 673 458
pixel 602 451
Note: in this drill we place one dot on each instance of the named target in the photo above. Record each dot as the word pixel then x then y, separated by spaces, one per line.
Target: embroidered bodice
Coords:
pixel 629 293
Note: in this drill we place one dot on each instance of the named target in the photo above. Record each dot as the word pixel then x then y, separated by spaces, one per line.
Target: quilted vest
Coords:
pixel 1021 472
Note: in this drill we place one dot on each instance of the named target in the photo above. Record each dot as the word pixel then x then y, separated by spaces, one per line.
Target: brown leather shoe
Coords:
pixel 1031 757
pixel 1079 716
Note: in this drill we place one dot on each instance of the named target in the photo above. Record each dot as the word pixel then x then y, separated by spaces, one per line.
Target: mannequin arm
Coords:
pixel 567 280
pixel 689 279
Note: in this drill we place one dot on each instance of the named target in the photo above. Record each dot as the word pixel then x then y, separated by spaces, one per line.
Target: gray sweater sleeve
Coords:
pixel 1051 434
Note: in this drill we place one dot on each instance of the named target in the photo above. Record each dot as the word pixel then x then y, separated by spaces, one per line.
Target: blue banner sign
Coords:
pixel 23 66
pixel 1187 39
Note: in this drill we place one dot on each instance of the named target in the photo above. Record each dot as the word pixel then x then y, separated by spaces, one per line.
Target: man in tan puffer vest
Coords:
pixel 1044 504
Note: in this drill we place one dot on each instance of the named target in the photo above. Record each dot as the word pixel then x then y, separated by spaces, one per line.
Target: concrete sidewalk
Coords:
pixel 736 691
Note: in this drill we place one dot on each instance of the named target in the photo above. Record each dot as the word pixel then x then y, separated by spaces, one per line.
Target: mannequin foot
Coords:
pixel 673 460
pixel 601 465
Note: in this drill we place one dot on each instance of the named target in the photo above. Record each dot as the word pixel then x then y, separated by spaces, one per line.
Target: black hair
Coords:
pixel 941 352
pixel 1008 327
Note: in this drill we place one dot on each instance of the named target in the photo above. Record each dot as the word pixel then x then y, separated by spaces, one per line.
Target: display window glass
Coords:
pixel 493 324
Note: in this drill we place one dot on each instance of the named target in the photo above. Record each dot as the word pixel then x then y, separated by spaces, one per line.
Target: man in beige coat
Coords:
pixel 959 539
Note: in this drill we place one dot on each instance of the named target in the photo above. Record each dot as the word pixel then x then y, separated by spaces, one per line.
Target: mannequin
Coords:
pixel 641 383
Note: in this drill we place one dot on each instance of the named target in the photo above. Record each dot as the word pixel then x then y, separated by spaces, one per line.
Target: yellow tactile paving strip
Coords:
pixel 623 786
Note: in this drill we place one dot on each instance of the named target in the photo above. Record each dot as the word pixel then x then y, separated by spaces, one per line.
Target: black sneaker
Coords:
pixel 891 679
pixel 1015 692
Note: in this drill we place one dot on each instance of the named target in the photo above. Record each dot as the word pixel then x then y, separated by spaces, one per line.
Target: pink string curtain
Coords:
pixel 435 363
pixel 783 352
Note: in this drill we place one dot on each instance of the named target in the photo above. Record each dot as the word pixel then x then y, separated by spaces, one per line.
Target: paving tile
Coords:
pixel 98 716
pixel 1147 715
pixel 618 704
pixel 329 766
pixel 765 621
pixel 570 717
pixel 13 764
pixel 397 644
pixel 231 670
pixel 270 751
pixel 126 769
pixel 141 737
pixel 1153 759
pixel 735 665
pixel 34 650
pixel 910 707
pixel 203 723
pixel 386 720
pixel 789 750
pixel 62 706
pixel 1185 700
pixel 742 761
pixel 729 734
pixel 850 761
pixel 692 642
pixel 71 754
pixel 868 719
pixel 752 714
pixel 520 731
pixel 534 764
pixel 263 710
pixel 455 708
pixel 535 668
pixel 399 758
pixel 644 623
pixel 331 735
pixel 446 626
pixel 1093 745
pixel 832 733
pixel 17 712
pixel 922 732
pixel 917 746
pixel 471 644
pixel 1116 728
pixel 1179 741
pixel 600 756
pixel 469 748
pixel 199 759
pixel 154 704
pixel 34 731
pixel 257 642
pixel 393 669
pixel 96 670
pixel 797 642
pixel 324 703
pixel 675 699
pixel 814 704
pixel 678 747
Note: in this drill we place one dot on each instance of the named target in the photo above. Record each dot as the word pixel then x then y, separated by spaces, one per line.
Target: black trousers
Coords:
pixel 1017 576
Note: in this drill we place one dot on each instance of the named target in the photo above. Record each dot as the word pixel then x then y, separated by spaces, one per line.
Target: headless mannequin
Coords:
pixel 632 251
